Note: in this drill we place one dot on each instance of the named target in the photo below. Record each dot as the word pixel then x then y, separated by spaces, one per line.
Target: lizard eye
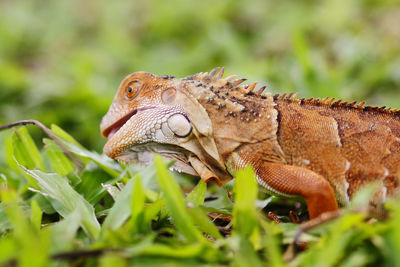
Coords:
pixel 132 89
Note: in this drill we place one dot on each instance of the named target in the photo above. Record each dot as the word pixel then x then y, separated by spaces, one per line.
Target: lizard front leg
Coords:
pixel 288 180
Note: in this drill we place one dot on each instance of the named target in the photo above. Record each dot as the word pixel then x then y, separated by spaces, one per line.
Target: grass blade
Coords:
pixel 198 194
pixel 244 211
pixel 32 245
pixel 204 223
pixel 36 215
pixel 175 202
pixel 59 163
pixel 25 150
pixel 137 207
pixel 65 199
pixel 64 232
pixel 121 210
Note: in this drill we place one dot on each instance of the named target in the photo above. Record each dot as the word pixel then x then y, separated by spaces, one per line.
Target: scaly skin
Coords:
pixel 321 150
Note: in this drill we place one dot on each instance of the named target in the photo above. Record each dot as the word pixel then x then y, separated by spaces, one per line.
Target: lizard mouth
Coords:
pixel 113 128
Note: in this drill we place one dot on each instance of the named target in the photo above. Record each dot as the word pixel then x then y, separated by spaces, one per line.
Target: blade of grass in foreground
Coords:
pixel 204 223
pixel 64 232
pixel 196 198
pixel 244 211
pixel 176 203
pixel 25 150
pixel 59 162
pixel 36 215
pixel 138 198
pixel 245 224
pixel 198 193
pixel 121 210
pixel 65 199
pixel 32 245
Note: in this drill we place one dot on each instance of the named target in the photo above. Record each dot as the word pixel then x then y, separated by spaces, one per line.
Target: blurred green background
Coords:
pixel 62 61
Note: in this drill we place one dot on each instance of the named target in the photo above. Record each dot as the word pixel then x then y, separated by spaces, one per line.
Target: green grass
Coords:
pixel 53 212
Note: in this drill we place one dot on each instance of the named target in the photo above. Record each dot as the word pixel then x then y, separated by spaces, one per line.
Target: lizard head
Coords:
pixel 143 115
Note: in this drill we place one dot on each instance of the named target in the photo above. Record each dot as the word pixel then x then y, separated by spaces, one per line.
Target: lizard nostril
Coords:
pixel 179 125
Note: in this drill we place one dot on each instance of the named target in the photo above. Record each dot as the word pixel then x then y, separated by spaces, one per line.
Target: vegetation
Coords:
pixel 61 63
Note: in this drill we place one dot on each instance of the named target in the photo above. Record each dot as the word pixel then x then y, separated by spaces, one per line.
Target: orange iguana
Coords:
pixel 322 150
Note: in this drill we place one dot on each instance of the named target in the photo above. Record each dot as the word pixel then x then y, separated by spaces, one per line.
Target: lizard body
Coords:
pixel 322 150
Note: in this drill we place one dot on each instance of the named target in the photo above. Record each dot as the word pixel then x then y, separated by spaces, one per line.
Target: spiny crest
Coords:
pixel 216 76
pixel 219 70
pixel 338 103
pixel 230 81
pixel 225 93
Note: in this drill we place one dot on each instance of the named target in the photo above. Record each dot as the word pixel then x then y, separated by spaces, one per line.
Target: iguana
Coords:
pixel 321 150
